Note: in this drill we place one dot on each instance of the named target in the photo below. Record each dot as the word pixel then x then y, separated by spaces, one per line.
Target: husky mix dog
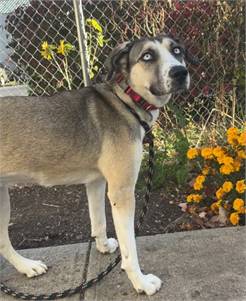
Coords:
pixel 90 136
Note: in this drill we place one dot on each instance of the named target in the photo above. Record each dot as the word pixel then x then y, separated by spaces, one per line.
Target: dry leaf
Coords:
pixel 183 206
pixel 222 217
pixel 202 214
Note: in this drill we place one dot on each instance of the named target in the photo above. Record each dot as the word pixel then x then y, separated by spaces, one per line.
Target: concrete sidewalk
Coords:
pixel 206 265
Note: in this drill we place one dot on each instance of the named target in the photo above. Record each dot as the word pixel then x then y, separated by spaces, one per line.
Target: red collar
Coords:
pixel 136 97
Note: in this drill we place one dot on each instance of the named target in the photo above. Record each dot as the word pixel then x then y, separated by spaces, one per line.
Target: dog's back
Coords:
pixel 43 132
pixel 59 135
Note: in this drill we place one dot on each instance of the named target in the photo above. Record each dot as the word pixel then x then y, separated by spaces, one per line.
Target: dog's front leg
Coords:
pixel 123 209
pixel 96 197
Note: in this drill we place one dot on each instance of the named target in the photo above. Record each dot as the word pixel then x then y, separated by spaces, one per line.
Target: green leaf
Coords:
pixel 179 114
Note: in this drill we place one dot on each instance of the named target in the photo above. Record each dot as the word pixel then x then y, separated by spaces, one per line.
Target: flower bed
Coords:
pixel 218 190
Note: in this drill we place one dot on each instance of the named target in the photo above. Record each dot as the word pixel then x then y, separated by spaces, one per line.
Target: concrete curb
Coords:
pixel 206 265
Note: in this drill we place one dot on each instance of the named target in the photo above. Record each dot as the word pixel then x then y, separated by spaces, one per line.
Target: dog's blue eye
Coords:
pixel 176 50
pixel 147 57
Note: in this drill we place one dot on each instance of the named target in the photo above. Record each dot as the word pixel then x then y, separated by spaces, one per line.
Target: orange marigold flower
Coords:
pixel 240 186
pixel 192 153
pixel 226 169
pixel 232 140
pixel 221 159
pixel 197 186
pixel 214 206
pixel 227 186
pixel 197 198
pixel 238 204
pixel 189 198
pixel 224 159
pixel 242 210
pixel 200 179
pixel 205 170
pixel 232 136
pixel 219 193
pixel 234 218
pixel 237 164
pixel 207 153
pixel 198 182
pixel 228 160
pixel 232 131
pixel 194 198
pixel 242 139
pixel 218 151
pixel 241 154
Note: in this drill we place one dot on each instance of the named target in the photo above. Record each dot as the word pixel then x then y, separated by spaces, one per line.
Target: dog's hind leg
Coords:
pixel 96 198
pixel 25 266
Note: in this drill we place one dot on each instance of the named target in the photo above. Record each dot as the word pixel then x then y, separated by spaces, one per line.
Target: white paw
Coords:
pixel 108 246
pixel 31 268
pixel 148 284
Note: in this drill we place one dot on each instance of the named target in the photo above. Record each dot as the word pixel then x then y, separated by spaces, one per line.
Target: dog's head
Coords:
pixel 154 67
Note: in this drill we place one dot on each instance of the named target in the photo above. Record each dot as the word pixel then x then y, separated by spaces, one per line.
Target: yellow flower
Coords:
pixel 241 154
pixel 197 186
pixel 207 153
pixel 227 186
pixel 240 186
pixel 232 136
pixel 227 160
pixel 215 206
pixel 94 23
pixel 242 139
pixel 232 140
pixel 232 131
pixel 61 47
pixel 236 164
pixel 200 179
pixel 234 218
pixel 219 193
pixel 64 48
pixel 47 50
pixel 242 210
pixel 192 153
pixel 194 198
pixel 238 204
pixel 198 182
pixel 205 170
pixel 221 159
pixel 218 151
pixel 226 169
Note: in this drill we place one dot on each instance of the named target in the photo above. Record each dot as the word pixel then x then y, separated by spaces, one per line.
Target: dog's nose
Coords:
pixel 178 72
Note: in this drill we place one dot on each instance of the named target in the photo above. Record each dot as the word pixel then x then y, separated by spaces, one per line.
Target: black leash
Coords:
pixel 84 285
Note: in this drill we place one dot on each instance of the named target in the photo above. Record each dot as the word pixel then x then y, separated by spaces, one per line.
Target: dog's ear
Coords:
pixel 117 61
pixel 190 58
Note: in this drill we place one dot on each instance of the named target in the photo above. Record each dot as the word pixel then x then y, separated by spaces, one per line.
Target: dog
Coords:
pixel 91 136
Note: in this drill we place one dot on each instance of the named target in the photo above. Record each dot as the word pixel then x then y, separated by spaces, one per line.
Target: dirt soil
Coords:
pixel 43 217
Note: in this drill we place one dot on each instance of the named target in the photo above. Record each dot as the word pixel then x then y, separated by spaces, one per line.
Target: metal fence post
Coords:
pixel 81 33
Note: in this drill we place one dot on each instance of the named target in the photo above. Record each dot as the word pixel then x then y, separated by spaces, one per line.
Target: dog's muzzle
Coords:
pixel 178 80
pixel 178 74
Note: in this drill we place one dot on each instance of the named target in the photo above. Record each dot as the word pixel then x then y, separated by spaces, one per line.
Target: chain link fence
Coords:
pixel 213 31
